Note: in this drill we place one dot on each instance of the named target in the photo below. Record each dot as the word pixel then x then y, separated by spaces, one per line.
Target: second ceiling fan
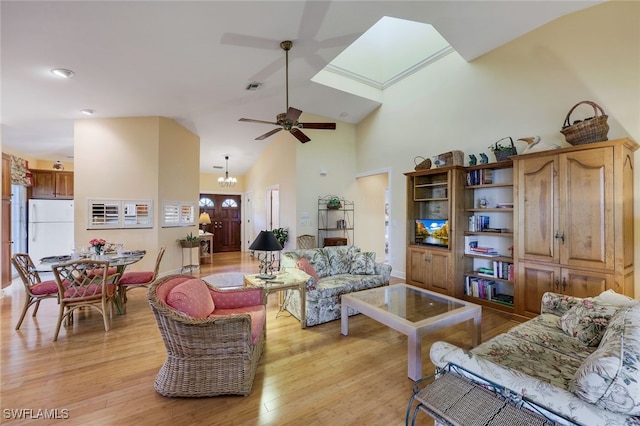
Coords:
pixel 289 120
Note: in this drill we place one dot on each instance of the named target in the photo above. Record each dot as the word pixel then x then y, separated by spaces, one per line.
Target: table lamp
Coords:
pixel 268 243
pixel 204 220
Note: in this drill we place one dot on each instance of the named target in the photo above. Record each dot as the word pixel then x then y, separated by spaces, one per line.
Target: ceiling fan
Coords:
pixel 289 120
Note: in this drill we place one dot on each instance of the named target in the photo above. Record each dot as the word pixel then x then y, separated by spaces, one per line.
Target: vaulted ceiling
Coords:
pixel 192 61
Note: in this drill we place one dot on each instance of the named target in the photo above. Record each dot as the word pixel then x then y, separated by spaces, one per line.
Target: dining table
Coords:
pixel 119 260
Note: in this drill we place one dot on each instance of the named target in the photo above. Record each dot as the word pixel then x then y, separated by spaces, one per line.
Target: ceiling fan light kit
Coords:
pixel 227 181
pixel 289 120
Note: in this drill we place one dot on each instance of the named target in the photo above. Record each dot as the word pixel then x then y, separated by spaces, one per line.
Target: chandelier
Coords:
pixel 227 180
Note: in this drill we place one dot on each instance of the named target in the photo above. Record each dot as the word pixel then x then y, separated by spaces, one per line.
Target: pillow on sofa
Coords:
pixel 587 321
pixel 304 265
pixel 192 298
pixel 610 377
pixel 612 298
pixel 364 263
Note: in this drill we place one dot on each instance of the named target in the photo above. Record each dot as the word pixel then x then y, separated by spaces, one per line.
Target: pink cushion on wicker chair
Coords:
pixel 192 298
pixel 136 278
pixel 45 287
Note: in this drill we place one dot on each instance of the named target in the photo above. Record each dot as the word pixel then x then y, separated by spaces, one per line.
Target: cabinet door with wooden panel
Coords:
pixel 430 269
pixel 537 198
pixel 44 184
pixel 582 283
pixel 586 209
pixel 64 185
pixel 51 184
pixel 534 280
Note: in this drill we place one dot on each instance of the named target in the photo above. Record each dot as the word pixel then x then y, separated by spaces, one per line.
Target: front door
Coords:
pixel 226 220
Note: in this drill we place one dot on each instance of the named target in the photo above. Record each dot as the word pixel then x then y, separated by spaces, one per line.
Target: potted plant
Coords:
pixel 282 235
pixel 333 203
pixel 190 241
pixel 503 151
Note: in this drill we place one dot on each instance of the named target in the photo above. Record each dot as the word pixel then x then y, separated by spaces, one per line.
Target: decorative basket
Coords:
pixel 591 129
pixel 451 158
pixel 425 164
pixel 503 153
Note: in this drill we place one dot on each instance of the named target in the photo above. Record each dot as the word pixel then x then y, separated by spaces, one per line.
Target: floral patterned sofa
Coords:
pixel 330 272
pixel 579 359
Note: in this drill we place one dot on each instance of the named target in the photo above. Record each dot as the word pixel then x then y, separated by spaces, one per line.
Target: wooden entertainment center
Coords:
pixel 558 220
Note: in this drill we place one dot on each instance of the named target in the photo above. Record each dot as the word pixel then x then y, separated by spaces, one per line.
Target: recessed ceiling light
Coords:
pixel 61 72
pixel 88 111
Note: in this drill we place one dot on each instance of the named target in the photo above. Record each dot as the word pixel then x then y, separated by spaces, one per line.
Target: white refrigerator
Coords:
pixel 50 230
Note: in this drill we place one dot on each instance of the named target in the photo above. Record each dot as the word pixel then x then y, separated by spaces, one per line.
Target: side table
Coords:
pixel 281 282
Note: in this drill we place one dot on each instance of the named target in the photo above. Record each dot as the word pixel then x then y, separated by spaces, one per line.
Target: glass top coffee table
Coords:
pixel 412 311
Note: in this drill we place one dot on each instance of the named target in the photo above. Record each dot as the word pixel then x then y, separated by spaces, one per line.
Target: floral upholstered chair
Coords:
pixel 213 337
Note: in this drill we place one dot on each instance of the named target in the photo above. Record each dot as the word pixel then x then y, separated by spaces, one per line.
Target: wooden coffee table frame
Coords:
pixel 413 330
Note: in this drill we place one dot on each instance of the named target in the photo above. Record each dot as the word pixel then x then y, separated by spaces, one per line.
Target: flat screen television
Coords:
pixel 433 232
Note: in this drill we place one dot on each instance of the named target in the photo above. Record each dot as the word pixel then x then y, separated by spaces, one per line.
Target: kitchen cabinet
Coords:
pixel 51 184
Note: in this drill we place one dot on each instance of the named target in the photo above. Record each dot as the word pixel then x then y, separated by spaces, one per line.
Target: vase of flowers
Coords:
pixel 98 245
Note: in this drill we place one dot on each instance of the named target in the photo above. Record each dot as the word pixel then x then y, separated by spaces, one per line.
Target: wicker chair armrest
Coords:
pixel 213 336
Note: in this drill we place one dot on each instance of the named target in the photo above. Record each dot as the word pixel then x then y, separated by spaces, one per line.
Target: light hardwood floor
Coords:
pixel 306 377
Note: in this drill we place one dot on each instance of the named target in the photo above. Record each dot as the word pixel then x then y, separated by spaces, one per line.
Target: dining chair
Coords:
pixel 84 283
pixel 138 279
pixel 35 289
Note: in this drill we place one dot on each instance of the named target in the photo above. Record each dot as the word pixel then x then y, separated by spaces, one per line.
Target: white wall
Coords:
pixel 522 89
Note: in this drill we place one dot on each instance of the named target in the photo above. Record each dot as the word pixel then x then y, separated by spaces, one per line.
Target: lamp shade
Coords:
pixel 204 219
pixel 265 241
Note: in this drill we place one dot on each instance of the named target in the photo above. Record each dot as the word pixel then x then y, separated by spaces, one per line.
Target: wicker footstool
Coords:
pixel 455 400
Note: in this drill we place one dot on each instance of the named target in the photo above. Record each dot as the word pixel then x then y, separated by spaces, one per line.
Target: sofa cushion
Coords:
pixel 192 298
pixel 610 297
pixel 587 321
pixel 363 263
pixel 304 265
pixel 543 330
pixel 340 258
pixel 610 377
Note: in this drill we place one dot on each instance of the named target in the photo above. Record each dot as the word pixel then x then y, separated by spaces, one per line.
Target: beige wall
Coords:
pixel 524 88
pixel 135 158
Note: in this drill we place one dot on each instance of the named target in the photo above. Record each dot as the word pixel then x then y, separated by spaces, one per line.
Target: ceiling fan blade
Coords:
pixel 266 135
pixel 250 120
pixel 327 126
pixel 298 134
pixel 293 114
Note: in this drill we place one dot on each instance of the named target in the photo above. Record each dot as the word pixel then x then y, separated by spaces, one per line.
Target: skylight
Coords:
pixel 389 51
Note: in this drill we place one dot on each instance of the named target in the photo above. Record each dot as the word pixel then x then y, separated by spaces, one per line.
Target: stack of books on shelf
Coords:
pixel 487 290
pixel 504 270
pixel 478 223
pixel 471 247
pixel 479 177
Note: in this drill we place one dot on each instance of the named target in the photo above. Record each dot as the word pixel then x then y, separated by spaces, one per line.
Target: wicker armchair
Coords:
pixel 215 355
